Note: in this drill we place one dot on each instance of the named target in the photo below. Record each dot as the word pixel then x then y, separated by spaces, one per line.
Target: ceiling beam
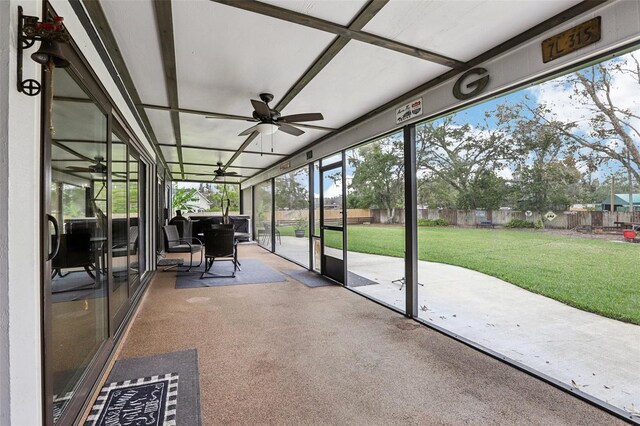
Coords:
pixel 164 21
pixel 333 28
pixel 523 37
pixel 99 19
pixel 220 150
pixel 361 19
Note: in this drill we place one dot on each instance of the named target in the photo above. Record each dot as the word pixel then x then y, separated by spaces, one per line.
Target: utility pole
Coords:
pixel 612 200
pixel 630 182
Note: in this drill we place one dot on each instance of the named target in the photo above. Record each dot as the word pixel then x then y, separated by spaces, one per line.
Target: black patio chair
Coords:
pixel 74 252
pixel 219 243
pixel 123 249
pixel 175 244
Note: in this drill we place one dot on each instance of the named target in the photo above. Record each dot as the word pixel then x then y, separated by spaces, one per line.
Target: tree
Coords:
pixel 224 194
pixel 465 157
pixel 291 193
pixel 378 179
pixel 606 128
pixel 435 192
pixel 487 191
pixel 546 175
pixel 183 198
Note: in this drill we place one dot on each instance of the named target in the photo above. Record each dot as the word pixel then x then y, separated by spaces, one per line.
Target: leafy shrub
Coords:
pixel 519 223
pixel 433 222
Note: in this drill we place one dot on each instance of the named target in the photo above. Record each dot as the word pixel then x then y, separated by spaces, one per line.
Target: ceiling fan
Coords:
pixel 98 167
pixel 219 172
pixel 270 120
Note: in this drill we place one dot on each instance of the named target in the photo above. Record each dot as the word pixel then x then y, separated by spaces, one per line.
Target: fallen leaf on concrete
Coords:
pixel 424 308
pixel 455 316
pixel 574 383
pixel 443 317
pixel 517 325
pixel 606 387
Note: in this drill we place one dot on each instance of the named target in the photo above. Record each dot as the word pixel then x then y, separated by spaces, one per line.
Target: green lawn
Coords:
pixel 594 275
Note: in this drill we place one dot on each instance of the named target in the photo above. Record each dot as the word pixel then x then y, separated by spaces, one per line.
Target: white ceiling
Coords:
pixel 225 56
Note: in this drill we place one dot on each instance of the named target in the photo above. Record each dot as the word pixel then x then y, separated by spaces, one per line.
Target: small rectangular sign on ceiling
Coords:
pixel 409 110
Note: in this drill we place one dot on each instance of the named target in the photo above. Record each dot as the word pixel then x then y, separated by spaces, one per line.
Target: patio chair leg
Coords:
pixel 88 270
pixel 211 274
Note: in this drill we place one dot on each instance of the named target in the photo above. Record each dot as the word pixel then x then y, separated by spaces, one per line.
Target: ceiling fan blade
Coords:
pixel 261 108
pixel 295 118
pixel 290 129
pixel 229 173
pixel 249 131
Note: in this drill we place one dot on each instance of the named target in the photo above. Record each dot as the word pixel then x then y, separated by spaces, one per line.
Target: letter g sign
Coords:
pixel 476 86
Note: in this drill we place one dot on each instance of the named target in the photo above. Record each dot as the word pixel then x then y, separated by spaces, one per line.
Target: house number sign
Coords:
pixel 571 40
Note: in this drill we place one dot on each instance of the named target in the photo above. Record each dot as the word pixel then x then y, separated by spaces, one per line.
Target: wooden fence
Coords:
pixel 470 218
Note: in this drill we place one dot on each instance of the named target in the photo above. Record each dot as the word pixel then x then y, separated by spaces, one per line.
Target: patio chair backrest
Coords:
pixel 133 237
pixel 222 226
pixel 218 242
pixel 173 238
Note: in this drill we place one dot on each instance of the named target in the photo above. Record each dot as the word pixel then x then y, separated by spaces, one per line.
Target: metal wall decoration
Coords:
pixel 49 33
pixel 476 86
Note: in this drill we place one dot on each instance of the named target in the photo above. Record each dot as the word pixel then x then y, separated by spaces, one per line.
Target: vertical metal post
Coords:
pixel 311 212
pixel 630 183
pixel 273 215
pixel 410 222
pixel 345 260
pixel 613 194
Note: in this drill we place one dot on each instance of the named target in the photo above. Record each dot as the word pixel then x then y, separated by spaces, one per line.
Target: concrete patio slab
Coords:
pixel 594 354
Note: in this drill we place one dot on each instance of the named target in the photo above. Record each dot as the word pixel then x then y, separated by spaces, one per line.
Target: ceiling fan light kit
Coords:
pixel 267 128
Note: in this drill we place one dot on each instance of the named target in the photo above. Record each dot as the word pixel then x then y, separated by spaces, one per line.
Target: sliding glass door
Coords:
pixel 93 241
pixel 76 203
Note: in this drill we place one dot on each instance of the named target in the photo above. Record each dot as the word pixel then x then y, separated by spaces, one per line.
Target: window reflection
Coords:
pixel 120 239
pixel 78 197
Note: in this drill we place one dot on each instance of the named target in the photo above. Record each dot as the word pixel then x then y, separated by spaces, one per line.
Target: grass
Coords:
pixel 590 274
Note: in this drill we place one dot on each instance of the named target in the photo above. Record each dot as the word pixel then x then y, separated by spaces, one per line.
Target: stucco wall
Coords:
pixel 4 189
pixel 19 241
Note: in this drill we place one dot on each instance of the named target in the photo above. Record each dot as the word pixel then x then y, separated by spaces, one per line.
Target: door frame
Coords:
pixel 324 268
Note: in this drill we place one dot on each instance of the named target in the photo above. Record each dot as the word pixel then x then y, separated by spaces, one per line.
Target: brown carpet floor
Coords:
pixel 284 353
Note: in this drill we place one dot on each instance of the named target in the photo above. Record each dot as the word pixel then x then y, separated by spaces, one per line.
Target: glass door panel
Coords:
pixel 332 223
pixel 263 214
pixel 134 230
pixel 119 266
pixel 77 199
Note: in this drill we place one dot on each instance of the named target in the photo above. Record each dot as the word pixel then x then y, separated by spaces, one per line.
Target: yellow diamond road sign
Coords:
pixel 550 215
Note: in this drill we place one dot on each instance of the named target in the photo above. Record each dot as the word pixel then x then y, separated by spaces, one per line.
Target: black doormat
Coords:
pixel 313 279
pixel 309 278
pixel 155 390
pixel 170 262
pixel 356 280
pixel 253 272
